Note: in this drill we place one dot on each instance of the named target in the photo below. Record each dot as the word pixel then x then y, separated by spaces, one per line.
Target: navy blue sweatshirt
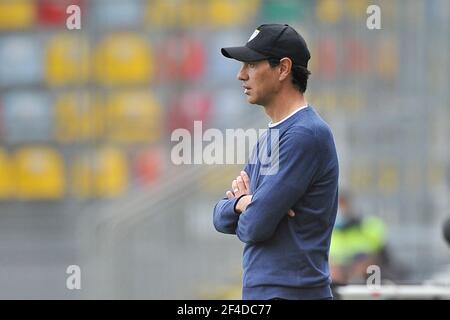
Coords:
pixel 287 257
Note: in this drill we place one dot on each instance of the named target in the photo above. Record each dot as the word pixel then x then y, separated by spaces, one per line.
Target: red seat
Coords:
pixel 327 58
pixel 357 56
pixel 189 107
pixel 53 12
pixel 147 166
pixel 182 58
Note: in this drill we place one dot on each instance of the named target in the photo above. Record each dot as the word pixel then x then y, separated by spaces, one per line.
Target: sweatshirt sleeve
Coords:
pixel 298 163
pixel 225 219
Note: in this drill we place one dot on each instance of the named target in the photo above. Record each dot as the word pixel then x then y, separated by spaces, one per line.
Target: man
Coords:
pixel 284 216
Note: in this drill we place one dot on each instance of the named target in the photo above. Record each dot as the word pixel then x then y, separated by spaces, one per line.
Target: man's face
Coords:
pixel 260 81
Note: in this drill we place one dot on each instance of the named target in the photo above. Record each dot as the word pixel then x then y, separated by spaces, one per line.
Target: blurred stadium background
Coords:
pixel 86 117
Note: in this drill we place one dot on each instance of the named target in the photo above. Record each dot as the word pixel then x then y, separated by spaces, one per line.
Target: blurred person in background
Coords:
pixel 357 242
pixel 285 217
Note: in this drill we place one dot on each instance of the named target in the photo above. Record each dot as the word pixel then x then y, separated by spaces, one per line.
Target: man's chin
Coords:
pixel 251 100
pixel 255 103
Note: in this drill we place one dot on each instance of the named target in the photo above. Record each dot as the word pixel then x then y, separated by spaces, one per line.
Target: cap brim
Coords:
pixel 243 54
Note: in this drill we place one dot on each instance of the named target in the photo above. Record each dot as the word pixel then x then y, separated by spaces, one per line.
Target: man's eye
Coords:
pixel 251 65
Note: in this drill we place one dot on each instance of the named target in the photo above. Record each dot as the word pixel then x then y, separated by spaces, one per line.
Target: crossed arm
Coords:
pixel 241 187
pixel 227 210
pixel 253 215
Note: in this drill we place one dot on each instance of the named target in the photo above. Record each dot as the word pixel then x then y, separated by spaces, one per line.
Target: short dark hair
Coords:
pixel 300 74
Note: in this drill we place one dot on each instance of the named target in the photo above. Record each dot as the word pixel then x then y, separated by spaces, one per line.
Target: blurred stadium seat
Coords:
pixel 6 176
pixel 27 117
pixel 118 13
pixel 17 14
pixel 191 13
pixel 289 11
pixel 183 58
pixel 226 13
pixel 79 116
pixel 2 123
pixel 356 57
pixel 161 13
pixel 187 107
pixel 326 60
pixel 39 173
pixel 147 165
pixel 355 7
pixel 388 59
pixel 133 116
pixel 67 60
pixel 101 173
pixel 123 59
pixel 112 174
pixel 21 60
pixel 329 11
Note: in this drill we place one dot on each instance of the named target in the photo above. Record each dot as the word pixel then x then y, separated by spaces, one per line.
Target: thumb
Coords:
pixel 291 213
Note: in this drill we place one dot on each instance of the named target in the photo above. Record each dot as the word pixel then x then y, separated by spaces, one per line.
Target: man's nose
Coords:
pixel 242 75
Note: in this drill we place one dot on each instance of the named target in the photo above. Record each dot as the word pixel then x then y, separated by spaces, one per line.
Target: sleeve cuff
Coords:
pixel 236 202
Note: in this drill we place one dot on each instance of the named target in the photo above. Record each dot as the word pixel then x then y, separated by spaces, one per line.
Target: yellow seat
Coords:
pixel 17 14
pixel 329 11
pixel 225 13
pixel 188 13
pixel 388 60
pixel 79 117
pixel 355 7
pixel 123 58
pixel 6 176
pixel 67 60
pixel 133 117
pixel 40 173
pixel 103 173
pixel 170 13
pixel 83 177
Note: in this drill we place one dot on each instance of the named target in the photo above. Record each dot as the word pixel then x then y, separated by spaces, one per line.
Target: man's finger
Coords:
pixel 291 213
pixel 241 185
pixel 234 186
pixel 229 194
pixel 246 179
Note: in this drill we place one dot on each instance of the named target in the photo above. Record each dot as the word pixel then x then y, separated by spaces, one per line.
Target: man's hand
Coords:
pixel 240 186
pixel 243 203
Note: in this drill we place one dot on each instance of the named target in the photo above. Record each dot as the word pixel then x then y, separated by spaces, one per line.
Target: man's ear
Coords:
pixel 285 68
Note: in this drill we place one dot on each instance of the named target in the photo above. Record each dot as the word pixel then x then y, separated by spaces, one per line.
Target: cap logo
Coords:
pixel 253 35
